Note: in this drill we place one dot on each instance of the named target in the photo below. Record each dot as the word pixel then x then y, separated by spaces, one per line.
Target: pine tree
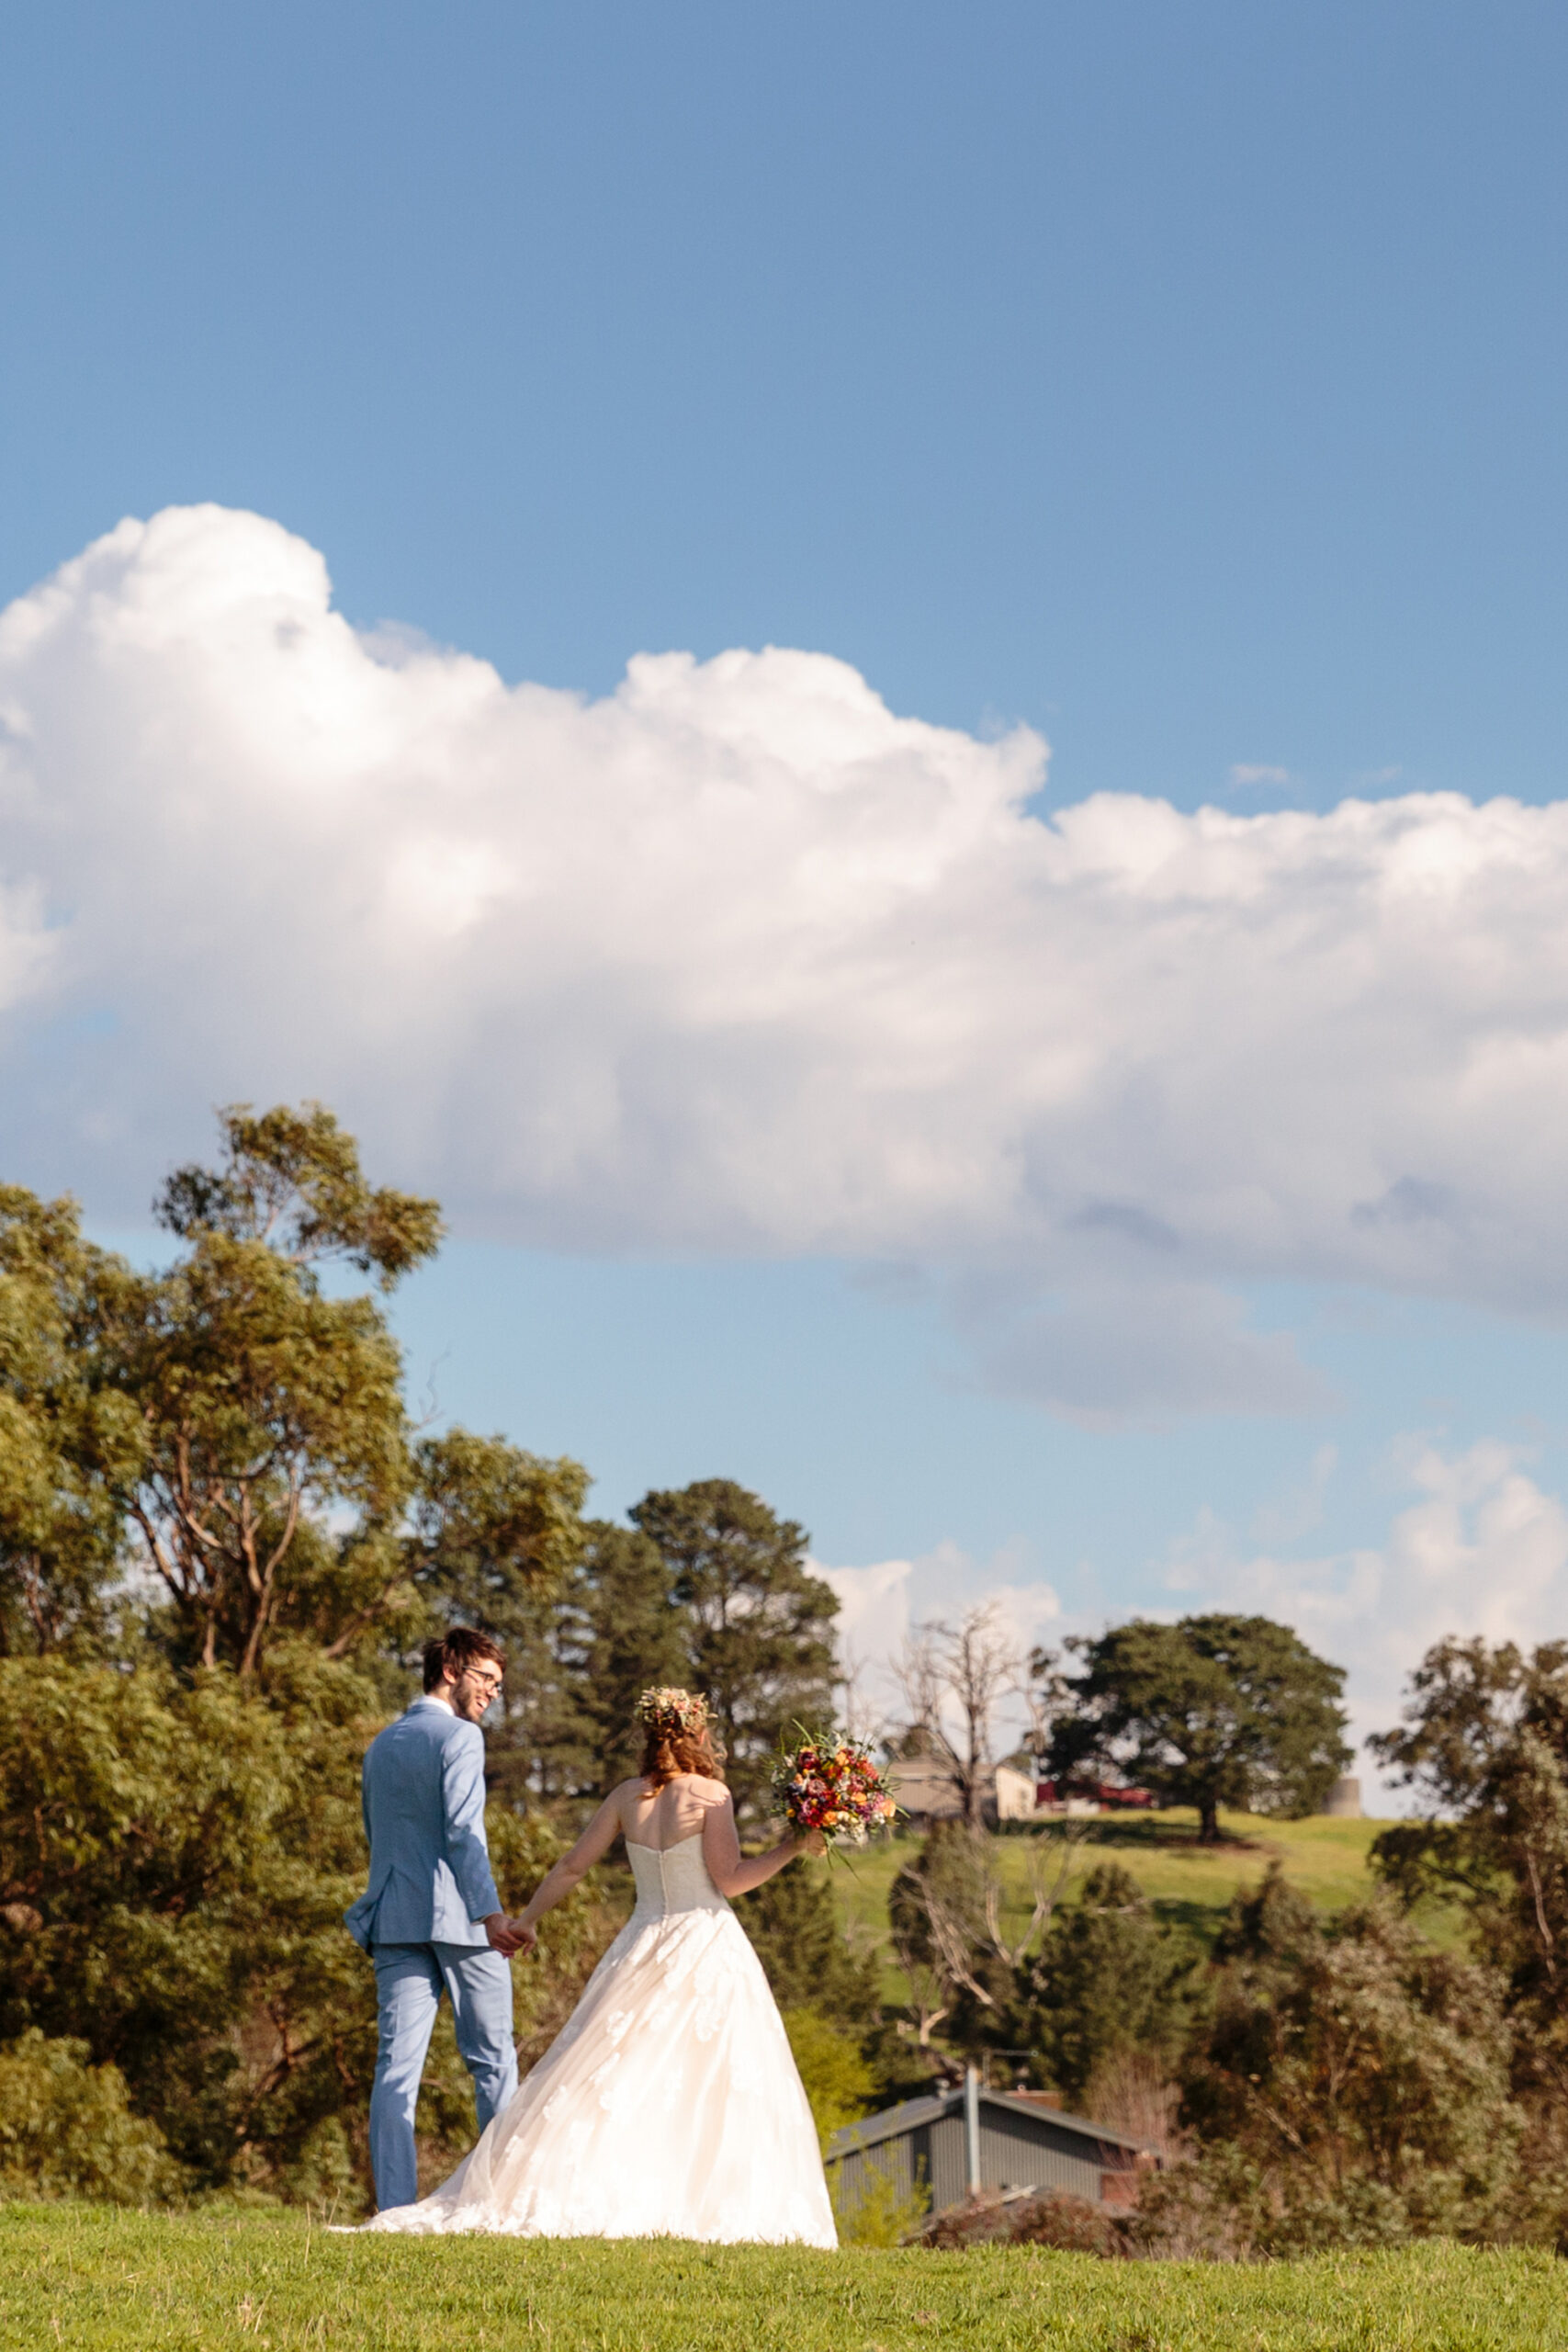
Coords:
pixel 636 1636
pixel 762 1646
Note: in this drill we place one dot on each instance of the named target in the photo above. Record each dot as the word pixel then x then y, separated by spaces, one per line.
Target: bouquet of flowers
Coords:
pixel 831 1784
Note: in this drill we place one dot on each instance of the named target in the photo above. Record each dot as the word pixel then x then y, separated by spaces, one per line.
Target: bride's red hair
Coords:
pixel 676 1737
pixel 667 1753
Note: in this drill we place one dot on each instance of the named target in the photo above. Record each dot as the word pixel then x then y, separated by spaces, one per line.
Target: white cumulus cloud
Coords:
pixel 882 1606
pixel 1481 1548
pixel 736 959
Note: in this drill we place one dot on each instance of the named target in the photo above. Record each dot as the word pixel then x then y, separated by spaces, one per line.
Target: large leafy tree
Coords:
pixel 1484 1750
pixel 1212 1711
pixel 175 1857
pixel 1353 2078
pixel 497 1541
pixel 270 1408
pixel 69 1444
pixel 635 1635
pixel 234 1424
pixel 762 1644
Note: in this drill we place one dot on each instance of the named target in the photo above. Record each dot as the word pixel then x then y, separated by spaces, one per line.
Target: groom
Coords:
pixel 431 1916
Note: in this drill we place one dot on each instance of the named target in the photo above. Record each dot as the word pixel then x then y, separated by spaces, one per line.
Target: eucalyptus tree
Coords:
pixel 1484 1752
pixel 233 1424
pixel 275 1462
pixel 69 1444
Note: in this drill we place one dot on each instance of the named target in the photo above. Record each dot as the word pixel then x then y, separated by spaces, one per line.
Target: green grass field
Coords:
pixel 1188 1883
pixel 98 2280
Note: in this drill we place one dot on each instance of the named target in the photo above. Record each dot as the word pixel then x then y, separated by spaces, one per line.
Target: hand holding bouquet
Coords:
pixel 832 1785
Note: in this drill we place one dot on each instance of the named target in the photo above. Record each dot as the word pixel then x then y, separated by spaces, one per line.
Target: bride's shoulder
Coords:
pixel 706 1791
pixel 625 1798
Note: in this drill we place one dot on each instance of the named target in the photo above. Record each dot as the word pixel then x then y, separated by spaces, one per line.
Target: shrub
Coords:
pixel 1109 1979
pixel 1351 2086
pixel 839 2083
pixel 66 2129
pixel 1069 2223
pixel 883 2214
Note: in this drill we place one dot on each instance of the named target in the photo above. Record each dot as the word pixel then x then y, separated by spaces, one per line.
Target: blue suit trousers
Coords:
pixel 409 1982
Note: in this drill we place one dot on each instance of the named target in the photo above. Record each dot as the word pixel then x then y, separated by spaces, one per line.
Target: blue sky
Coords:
pixel 1183 386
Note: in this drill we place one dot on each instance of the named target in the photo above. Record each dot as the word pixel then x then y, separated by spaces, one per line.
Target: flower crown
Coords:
pixel 671 1711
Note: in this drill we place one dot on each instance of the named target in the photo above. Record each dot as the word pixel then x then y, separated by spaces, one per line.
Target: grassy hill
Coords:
pixel 1188 1883
pixel 99 2280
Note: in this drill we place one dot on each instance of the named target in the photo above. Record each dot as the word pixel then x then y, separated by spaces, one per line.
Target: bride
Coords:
pixel 669 2104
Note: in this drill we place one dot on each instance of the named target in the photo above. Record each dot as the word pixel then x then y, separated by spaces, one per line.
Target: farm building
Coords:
pixel 957 2142
pixel 927 1790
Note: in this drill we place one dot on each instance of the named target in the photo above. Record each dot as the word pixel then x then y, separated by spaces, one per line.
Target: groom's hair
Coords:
pixel 459 1649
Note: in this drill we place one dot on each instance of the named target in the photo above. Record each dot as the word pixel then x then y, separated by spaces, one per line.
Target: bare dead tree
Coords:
pixel 861 1716
pixel 954 1954
pixel 929 1995
pixel 1046 1887
pixel 942 1942
pixel 953 1678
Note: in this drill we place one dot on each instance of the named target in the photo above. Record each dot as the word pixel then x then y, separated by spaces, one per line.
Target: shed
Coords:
pixel 955 2140
pixel 1016 1798
pixel 922 1790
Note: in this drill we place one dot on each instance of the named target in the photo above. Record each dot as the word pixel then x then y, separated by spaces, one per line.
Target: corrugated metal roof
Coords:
pixel 912 2114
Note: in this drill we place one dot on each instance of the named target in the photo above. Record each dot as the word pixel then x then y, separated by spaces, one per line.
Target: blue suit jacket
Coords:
pixel 424 1816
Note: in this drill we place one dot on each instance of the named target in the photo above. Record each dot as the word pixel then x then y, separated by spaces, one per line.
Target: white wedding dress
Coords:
pixel 668 2105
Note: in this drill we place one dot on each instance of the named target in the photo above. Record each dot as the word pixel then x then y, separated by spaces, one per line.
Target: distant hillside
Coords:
pixel 1188 1883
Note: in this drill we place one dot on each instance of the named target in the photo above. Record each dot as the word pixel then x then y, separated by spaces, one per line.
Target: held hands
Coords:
pixel 813 1843
pixel 510 1937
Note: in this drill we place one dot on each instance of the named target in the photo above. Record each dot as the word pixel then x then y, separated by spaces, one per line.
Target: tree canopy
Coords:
pixel 1483 1747
pixel 761 1645
pixel 221 1540
pixel 1212 1711
pixel 236 1430
pixel 71 1443
pixel 1359 2073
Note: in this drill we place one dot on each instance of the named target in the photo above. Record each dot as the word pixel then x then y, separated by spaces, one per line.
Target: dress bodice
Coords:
pixel 675 1879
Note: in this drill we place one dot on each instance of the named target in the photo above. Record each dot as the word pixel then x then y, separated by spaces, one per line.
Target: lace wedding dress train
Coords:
pixel 668 2105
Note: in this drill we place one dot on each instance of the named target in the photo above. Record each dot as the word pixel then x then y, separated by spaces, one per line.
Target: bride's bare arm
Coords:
pixel 591 1846
pixel 734 1872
